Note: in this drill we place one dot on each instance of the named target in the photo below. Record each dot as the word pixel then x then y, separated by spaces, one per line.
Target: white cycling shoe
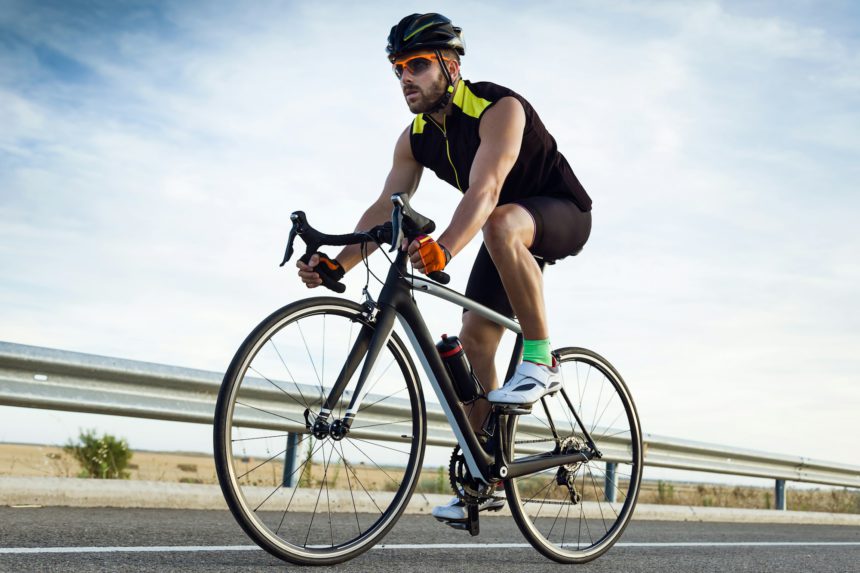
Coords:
pixel 530 383
pixel 455 510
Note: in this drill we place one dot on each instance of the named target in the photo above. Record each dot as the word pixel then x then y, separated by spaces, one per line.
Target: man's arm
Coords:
pixel 403 178
pixel 501 132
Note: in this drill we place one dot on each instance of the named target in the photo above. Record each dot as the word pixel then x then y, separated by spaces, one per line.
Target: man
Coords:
pixel 488 142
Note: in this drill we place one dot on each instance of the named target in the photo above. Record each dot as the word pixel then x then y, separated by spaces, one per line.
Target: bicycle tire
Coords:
pixel 528 496
pixel 248 395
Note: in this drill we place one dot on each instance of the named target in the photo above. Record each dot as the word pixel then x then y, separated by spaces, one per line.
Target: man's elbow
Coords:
pixel 488 189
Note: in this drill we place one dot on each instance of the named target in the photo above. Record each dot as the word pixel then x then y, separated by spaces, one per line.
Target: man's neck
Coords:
pixel 439 116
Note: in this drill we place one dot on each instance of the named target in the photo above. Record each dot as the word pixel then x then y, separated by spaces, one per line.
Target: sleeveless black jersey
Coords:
pixel 449 149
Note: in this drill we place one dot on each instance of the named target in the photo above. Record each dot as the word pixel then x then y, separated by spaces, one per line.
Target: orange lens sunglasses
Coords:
pixel 416 64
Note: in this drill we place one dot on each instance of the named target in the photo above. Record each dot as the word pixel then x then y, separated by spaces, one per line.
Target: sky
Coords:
pixel 151 152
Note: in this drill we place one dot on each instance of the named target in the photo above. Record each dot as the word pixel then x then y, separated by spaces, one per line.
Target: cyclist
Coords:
pixel 518 190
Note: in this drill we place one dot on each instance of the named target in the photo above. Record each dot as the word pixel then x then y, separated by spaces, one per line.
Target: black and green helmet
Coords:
pixel 424 32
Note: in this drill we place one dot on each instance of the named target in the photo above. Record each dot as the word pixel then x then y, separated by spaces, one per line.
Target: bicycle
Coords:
pixel 362 439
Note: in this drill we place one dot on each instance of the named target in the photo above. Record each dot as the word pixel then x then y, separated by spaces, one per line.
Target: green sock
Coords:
pixel 538 351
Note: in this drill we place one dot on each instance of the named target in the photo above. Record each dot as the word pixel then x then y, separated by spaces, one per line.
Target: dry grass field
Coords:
pixel 22 460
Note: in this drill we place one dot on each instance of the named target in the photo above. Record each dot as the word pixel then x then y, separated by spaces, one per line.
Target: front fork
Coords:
pixel 369 342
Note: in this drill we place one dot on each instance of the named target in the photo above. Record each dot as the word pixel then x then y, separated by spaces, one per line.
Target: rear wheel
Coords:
pixel 317 499
pixel 575 513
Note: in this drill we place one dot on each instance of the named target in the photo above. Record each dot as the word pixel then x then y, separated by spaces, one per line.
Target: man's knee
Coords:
pixel 506 225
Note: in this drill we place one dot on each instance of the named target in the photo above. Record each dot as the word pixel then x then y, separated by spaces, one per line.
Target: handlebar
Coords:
pixel 405 223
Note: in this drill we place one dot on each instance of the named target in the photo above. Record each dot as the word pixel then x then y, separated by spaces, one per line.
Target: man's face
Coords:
pixel 422 88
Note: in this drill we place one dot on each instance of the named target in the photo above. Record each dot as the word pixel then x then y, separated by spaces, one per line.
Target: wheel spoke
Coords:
pixel 371 405
pixel 378 378
pixel 261 464
pixel 354 427
pixel 284 392
pixel 394 481
pixel 259 438
pixel 270 413
pixel 311 358
pixel 287 368
pixel 295 489
pixel 354 475
pixel 351 494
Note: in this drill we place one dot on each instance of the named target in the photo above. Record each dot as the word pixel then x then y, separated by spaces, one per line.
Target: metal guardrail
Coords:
pixel 44 378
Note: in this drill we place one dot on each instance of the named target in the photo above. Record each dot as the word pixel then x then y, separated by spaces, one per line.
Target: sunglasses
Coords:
pixel 415 64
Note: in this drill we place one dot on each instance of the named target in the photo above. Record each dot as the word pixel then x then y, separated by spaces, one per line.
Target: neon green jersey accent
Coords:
pixel 472 105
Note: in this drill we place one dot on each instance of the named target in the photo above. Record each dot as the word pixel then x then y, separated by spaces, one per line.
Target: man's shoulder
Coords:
pixel 489 90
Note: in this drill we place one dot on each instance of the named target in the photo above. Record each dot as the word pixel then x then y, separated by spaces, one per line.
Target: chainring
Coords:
pixel 468 489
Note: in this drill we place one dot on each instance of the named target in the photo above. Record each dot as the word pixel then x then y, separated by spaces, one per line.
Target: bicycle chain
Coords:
pixel 468 494
pixel 544 502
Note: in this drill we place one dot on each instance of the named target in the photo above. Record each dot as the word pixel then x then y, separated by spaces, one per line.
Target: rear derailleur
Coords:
pixel 566 474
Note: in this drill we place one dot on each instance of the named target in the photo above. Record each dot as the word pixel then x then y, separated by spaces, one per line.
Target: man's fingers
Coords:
pixel 417 262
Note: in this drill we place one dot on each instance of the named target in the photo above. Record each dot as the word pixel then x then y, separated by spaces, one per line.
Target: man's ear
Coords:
pixel 453 68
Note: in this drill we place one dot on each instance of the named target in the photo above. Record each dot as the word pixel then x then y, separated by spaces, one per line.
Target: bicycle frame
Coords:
pixel 396 302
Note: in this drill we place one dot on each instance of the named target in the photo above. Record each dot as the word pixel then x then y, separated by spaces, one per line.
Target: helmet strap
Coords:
pixel 443 101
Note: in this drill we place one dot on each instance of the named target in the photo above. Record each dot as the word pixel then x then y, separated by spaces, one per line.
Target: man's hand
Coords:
pixel 427 255
pixel 319 263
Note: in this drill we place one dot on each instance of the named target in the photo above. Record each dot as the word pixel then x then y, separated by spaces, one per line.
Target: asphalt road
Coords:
pixel 646 546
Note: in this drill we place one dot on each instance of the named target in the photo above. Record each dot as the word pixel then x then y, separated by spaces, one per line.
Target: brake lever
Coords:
pixel 296 218
pixel 396 223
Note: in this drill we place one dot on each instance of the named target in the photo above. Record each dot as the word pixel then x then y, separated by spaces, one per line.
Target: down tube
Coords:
pixel 476 459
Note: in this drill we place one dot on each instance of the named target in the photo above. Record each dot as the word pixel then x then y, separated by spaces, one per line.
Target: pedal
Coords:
pixel 474 528
pixel 469 524
pixel 461 525
pixel 513 410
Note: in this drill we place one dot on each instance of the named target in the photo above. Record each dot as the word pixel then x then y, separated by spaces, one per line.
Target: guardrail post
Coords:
pixel 780 494
pixel 290 460
pixel 611 482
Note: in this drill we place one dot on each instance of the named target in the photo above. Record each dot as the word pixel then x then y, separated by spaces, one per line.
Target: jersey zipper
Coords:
pixel 444 131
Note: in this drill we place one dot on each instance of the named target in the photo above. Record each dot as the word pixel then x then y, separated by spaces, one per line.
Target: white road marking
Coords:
pixel 200 548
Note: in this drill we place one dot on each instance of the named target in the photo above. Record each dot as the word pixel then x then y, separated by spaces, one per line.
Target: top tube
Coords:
pixel 426 285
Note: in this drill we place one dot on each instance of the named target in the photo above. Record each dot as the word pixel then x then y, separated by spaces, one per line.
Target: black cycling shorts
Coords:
pixel 561 230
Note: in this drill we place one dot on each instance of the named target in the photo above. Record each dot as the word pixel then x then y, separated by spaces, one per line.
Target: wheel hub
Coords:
pixel 338 430
pixel 321 429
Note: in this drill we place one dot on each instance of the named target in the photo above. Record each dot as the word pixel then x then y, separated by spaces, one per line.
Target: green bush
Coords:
pixel 665 493
pixel 102 457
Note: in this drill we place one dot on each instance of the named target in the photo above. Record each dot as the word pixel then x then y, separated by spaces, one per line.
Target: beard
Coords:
pixel 428 97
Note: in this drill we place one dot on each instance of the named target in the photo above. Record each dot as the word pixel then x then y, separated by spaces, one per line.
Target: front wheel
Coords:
pixel 314 498
pixel 575 513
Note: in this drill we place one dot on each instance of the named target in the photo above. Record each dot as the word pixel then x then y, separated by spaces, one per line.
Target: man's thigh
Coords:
pixel 561 229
